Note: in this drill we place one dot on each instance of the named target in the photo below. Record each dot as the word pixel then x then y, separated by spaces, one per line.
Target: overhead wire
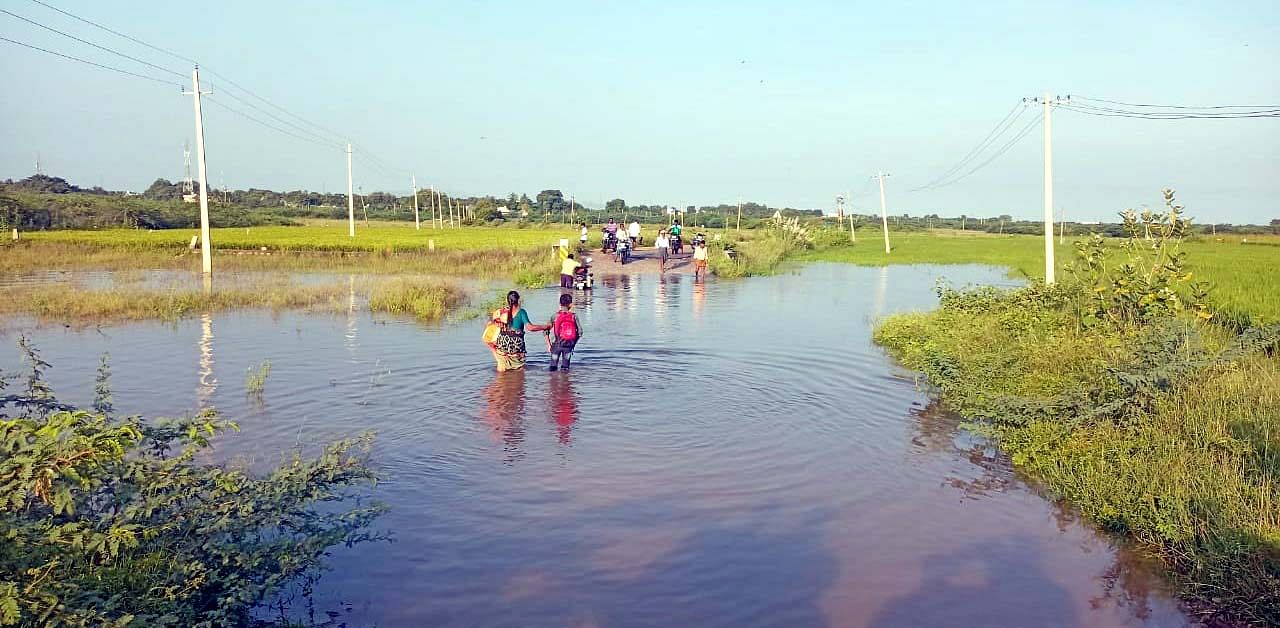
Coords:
pixel 117 33
pixel 92 63
pixel 1003 149
pixel 87 42
pixel 1128 104
pixel 322 134
pixel 287 123
pixel 246 116
pixel 999 129
pixel 176 55
pixel 1165 115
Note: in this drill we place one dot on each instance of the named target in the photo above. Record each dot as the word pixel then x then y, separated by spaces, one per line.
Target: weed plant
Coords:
pixel 110 520
pixel 255 380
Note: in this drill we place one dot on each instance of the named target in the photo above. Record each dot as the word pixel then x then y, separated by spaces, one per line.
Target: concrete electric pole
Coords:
pixel 351 199
pixel 416 223
pixel 206 247
pixel 884 216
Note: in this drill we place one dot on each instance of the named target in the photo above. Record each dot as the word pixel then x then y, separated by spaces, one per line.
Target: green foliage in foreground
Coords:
pixel 111 521
pixel 1158 426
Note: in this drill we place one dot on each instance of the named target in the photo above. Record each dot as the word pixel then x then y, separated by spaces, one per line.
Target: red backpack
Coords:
pixel 566 327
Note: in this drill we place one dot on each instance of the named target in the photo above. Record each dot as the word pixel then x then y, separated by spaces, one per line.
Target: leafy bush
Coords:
pixel 111 521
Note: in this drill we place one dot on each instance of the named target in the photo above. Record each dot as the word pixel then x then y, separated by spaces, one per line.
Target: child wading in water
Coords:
pixel 564 324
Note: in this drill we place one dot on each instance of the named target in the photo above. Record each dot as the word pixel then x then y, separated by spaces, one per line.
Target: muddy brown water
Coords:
pixel 733 453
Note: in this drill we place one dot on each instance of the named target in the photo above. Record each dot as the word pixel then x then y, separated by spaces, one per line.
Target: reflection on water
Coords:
pixel 699 297
pixel 353 315
pixel 770 469
pixel 504 410
pixel 882 287
pixel 208 383
pixel 564 406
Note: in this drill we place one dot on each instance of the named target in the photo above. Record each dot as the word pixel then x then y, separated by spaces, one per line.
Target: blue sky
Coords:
pixel 676 103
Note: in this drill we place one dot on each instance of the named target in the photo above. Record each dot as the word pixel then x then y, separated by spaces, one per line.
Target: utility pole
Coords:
pixel 38 173
pixel 1062 225
pixel 206 247
pixel 884 216
pixel 739 227
pixel 223 175
pixel 853 237
pixel 417 224
pixel 351 199
pixel 431 194
pixel 1048 102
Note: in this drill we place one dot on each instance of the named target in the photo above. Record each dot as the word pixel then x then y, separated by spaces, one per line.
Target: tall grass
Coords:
pixel 424 301
pixel 80 305
pixel 492 264
pixel 761 253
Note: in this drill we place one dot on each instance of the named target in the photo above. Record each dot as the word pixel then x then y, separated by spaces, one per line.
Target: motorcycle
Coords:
pixel 623 253
pixel 583 278
pixel 610 242
pixel 699 239
pixel 677 245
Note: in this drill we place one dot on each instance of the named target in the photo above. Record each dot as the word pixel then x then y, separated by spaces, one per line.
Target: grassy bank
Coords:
pixel 1235 266
pixel 1129 404
pixel 426 300
pixel 757 252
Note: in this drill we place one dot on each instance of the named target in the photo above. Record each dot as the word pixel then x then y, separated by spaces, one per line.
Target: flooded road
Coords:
pixel 723 454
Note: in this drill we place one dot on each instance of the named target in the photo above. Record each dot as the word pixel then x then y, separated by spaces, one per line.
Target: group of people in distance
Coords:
pixel 505 332
pixel 667 240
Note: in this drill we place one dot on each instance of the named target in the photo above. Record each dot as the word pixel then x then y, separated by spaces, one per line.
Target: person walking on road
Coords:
pixel 663 244
pixel 699 259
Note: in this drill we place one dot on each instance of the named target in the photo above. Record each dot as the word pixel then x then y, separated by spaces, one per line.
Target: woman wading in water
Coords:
pixel 508 345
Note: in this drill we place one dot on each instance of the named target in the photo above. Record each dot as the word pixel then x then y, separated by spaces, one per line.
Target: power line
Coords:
pixel 334 134
pixel 87 62
pixel 300 129
pixel 265 124
pixel 1003 149
pixel 367 153
pixel 999 129
pixel 1165 115
pixel 84 41
pixel 117 33
pixel 1127 104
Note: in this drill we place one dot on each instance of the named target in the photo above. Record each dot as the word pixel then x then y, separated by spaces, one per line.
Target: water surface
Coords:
pixel 722 454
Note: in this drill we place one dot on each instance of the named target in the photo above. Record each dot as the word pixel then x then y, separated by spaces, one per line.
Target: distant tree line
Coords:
pixel 47 202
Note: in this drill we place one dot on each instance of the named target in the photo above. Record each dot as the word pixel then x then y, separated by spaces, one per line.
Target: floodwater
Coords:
pixel 734 453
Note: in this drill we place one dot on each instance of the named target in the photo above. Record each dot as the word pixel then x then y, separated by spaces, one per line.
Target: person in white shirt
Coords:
pixel 663 245
pixel 633 232
pixel 699 259
pixel 582 237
